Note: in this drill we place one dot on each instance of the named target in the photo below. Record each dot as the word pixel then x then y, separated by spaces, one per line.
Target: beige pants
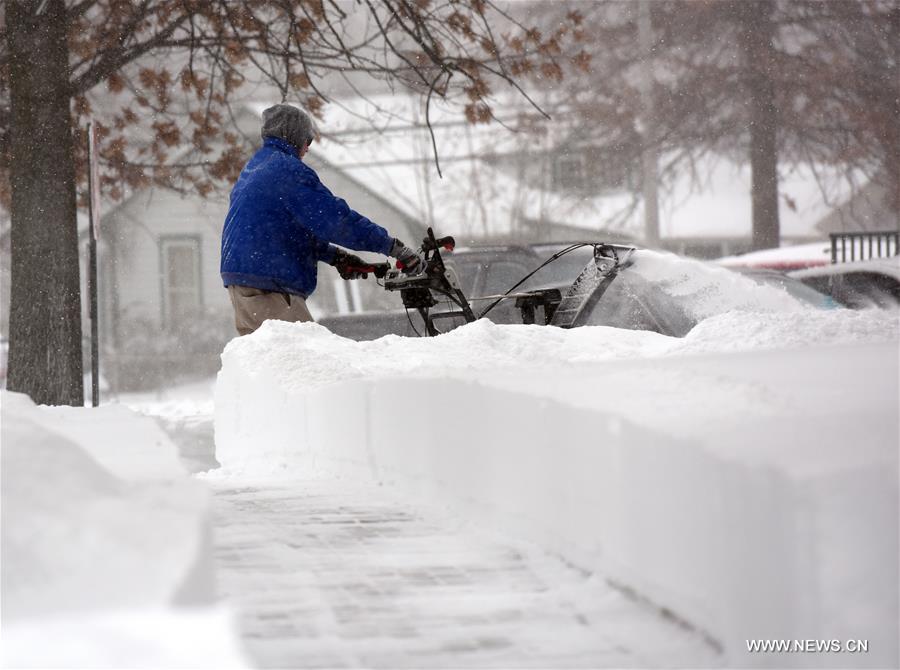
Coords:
pixel 252 306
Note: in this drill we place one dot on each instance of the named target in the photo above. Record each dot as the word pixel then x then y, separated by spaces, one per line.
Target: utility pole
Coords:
pixel 647 130
pixel 93 236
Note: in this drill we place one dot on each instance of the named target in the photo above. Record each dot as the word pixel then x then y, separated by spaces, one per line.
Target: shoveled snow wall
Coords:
pixel 752 495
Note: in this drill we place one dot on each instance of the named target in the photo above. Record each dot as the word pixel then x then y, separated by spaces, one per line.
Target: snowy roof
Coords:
pixel 383 142
pixel 475 196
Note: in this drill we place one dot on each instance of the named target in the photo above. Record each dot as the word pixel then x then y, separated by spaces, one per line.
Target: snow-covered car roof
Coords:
pixel 784 259
pixel 889 266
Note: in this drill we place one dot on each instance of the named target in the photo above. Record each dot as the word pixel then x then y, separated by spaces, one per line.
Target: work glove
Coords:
pixel 408 260
pixel 350 266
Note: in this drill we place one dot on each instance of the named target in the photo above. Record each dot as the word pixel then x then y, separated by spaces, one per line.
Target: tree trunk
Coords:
pixel 45 358
pixel 892 139
pixel 757 31
pixel 649 157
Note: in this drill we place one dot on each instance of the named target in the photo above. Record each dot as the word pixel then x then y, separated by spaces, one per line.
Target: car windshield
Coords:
pixel 563 271
pixel 633 303
pixel 497 274
pixel 792 287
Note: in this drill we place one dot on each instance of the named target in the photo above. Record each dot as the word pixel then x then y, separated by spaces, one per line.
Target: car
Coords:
pixel 648 290
pixel 857 284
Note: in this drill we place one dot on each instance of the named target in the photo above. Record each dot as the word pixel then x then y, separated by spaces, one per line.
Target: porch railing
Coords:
pixel 860 246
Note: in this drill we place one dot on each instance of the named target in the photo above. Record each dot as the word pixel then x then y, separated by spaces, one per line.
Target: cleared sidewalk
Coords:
pixel 330 574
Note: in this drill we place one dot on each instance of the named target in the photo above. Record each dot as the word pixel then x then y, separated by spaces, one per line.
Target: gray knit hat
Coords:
pixel 289 123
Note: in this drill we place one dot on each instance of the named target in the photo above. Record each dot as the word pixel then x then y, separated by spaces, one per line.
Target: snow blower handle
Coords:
pixel 377 269
pixel 430 243
pixel 363 271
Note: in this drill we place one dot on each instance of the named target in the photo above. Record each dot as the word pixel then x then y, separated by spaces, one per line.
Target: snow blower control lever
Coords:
pixel 430 244
pixel 416 289
pixel 447 243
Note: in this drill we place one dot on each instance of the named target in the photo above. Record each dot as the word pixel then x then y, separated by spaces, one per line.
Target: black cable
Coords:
pixel 449 297
pixel 409 318
pixel 448 307
pixel 552 258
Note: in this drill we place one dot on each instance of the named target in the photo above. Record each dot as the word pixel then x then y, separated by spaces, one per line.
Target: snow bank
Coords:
pixel 301 357
pixel 746 331
pixel 195 638
pixel 97 516
pixel 754 495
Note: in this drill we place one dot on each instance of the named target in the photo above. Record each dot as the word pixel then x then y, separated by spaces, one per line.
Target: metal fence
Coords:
pixel 864 245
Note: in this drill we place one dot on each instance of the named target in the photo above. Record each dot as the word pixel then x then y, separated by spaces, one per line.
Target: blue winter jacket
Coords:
pixel 281 220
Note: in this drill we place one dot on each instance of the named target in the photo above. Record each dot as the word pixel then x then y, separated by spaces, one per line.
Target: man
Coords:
pixel 282 220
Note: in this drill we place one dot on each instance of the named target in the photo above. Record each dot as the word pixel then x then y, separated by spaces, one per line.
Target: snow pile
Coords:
pixel 156 638
pixel 743 331
pixel 303 356
pixel 97 516
pixel 753 494
pixel 703 290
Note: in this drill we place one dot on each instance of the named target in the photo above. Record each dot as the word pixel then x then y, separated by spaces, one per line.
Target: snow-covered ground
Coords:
pixel 743 478
pixel 107 556
pixel 500 496
pixel 185 413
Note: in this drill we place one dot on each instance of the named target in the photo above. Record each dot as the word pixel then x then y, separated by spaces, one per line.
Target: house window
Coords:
pixel 569 172
pixel 180 279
